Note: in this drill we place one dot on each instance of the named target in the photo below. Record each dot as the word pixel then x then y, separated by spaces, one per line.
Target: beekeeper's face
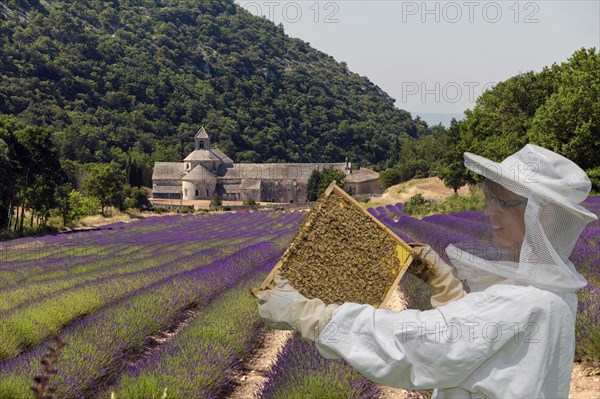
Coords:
pixel 506 211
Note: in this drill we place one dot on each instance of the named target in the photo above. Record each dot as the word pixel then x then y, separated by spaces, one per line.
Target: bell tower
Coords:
pixel 201 140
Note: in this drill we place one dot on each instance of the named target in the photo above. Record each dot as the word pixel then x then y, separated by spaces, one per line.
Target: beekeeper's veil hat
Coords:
pixel 554 187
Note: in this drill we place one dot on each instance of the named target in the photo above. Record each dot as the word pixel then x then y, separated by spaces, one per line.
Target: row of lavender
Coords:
pixel 472 226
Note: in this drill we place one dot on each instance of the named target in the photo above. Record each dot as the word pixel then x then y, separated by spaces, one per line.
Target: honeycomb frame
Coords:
pixel 342 253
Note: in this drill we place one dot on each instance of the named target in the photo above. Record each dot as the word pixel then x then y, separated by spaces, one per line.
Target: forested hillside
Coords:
pixel 139 77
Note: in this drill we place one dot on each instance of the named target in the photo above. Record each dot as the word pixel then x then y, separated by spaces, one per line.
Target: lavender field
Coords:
pixel 114 293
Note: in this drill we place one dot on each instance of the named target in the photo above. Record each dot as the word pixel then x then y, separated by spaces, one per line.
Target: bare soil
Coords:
pixel 585 382
pixel 154 342
pixel 253 377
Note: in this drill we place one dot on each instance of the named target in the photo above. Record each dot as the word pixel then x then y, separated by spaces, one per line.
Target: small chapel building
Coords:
pixel 208 171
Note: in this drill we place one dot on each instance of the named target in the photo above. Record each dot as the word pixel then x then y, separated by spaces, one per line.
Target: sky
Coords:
pixel 438 56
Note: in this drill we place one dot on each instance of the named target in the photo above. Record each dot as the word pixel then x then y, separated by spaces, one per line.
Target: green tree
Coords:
pixel 105 182
pixel 136 197
pixel 569 121
pixel 135 79
pixel 556 108
pixel 6 182
pixel 594 175
pixel 134 173
pixel 389 177
pixel 81 206
pixel 498 124
pixel 453 173
pixel 66 184
pixel 39 165
pixel 312 187
pixel 394 153
pixel 40 198
pixel 320 180
pixel 64 205
pixel 329 175
pixel 432 148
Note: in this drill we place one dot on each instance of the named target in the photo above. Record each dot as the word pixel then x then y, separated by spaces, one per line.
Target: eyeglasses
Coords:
pixel 492 199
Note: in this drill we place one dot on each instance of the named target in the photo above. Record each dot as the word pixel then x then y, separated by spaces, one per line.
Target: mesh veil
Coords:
pixel 553 223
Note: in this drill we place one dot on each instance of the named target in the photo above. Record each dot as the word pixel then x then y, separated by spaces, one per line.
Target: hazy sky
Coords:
pixel 438 56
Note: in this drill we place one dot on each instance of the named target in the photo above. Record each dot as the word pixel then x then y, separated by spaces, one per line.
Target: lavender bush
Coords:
pixel 300 372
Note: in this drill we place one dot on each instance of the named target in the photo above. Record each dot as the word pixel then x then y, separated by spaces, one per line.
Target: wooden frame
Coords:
pixel 404 250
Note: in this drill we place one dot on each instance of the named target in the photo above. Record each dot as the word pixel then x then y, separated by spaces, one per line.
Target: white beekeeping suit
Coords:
pixel 513 335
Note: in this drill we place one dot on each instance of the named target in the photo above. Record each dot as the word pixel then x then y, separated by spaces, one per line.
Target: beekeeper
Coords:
pixel 512 335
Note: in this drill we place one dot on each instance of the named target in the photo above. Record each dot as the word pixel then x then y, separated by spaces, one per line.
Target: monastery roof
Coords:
pixel 293 171
pixel 250 184
pixel 253 172
pixel 202 155
pixel 362 175
pixel 231 188
pixel 221 155
pixel 199 173
pixel 168 171
pixel 276 171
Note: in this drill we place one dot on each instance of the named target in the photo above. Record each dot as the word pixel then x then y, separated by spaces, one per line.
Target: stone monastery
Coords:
pixel 208 171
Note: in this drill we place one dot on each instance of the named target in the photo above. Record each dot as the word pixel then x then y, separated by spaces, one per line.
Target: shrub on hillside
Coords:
pixel 417 205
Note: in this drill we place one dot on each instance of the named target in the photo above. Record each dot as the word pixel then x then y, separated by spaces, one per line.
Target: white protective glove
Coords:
pixel 429 267
pixel 284 308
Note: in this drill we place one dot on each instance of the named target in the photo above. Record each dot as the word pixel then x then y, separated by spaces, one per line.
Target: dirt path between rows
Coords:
pixel 253 378
pixel 156 341
pixel 585 382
